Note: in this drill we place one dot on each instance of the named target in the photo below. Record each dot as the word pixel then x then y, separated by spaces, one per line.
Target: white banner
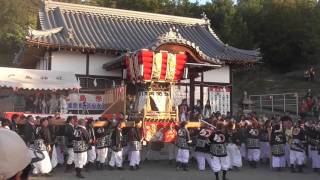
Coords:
pixel 220 99
pixel 92 101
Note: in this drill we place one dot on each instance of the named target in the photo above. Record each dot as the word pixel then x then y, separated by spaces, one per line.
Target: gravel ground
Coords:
pixel 162 171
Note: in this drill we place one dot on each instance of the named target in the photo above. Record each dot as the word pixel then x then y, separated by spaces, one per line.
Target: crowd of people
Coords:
pixel 224 143
pixel 45 103
pixel 310 105
pixel 310 74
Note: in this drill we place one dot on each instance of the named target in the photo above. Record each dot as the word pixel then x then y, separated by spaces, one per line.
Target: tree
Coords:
pixel 221 14
pixel 288 34
pixel 14 18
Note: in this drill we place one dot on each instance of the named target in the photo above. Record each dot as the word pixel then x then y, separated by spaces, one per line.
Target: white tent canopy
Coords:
pixel 37 79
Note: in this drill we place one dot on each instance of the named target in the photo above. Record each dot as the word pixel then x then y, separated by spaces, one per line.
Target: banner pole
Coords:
pixel 78 101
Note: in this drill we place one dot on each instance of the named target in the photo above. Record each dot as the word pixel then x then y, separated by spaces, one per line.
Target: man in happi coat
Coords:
pixel 218 150
pixel 233 140
pixel 80 147
pixel 202 147
pixel 135 138
pixel 92 148
pixel 253 143
pixel 116 159
pixel 264 142
pixel 183 142
pixel 313 138
pixel 101 145
pixel 69 137
pixel 42 143
pixel 297 147
pixel 278 142
pixel 29 131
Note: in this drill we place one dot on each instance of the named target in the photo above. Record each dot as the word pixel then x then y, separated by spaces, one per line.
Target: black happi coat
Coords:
pixel 183 137
pixel 124 136
pixel 42 138
pixel 203 141
pixel 29 132
pixel 69 135
pixel 101 134
pixel 218 145
pixel 60 138
pixel 234 138
pixel 116 139
pixel 92 137
pixel 81 140
pixel 313 138
pixel 264 135
pixel 278 142
pixel 298 139
pixel 253 141
pixel 134 138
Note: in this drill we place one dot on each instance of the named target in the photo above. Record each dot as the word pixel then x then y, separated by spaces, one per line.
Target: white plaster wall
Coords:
pixel 221 75
pixel 96 62
pixel 69 61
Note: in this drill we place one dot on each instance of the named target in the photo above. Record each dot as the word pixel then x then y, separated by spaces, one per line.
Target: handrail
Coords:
pixel 284 102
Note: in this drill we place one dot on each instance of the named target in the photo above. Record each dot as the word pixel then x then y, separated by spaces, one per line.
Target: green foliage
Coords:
pixel 221 14
pixel 288 33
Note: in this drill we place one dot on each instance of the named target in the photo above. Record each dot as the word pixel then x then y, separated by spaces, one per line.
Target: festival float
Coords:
pixel 148 93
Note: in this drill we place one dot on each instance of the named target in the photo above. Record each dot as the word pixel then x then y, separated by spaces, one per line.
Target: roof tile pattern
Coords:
pixel 115 29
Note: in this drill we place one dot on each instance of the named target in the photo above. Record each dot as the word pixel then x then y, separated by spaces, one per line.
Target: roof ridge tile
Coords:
pixel 48 4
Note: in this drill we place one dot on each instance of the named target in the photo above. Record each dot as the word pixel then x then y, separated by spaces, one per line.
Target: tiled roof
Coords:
pixel 114 29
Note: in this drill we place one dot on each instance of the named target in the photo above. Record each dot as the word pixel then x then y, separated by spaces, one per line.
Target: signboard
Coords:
pixel 91 101
pixel 220 99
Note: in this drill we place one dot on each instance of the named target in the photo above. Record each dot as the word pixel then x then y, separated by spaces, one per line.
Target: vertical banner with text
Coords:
pixel 220 99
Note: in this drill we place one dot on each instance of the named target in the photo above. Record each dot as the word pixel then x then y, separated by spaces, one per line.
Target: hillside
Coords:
pixel 263 81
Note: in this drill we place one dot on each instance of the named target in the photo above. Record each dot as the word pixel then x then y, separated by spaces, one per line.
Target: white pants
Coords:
pixel 287 153
pixel 92 154
pixel 202 158
pixel 80 159
pixel 234 155
pixel 315 159
pixel 278 161
pixel 102 155
pixel 70 159
pixel 254 155
pixel 134 158
pixel 296 157
pixel 182 155
pixel 60 156
pixel 171 151
pixel 265 150
pixel 220 163
pixel 43 166
pixel 126 152
pixel 243 151
pixel 116 159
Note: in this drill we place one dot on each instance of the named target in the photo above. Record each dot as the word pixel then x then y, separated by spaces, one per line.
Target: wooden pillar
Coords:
pixel 192 89
pixel 50 60
pixel 201 91
pixel 87 64
pixel 231 88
